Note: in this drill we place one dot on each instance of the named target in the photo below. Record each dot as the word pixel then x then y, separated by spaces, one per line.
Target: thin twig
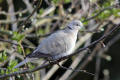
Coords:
pixel 16 13
pixel 25 22
pixel 8 41
pixel 107 8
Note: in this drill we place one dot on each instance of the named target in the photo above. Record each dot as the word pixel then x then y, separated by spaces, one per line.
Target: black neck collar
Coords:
pixel 69 27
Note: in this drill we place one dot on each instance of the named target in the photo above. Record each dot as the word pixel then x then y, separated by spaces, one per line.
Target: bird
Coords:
pixel 57 45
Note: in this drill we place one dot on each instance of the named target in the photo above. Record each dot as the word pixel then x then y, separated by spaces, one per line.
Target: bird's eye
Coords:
pixel 77 25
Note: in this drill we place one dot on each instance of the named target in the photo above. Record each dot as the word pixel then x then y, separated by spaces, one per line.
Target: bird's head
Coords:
pixel 75 25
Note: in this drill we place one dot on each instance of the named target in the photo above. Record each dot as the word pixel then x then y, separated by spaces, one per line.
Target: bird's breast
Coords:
pixel 71 42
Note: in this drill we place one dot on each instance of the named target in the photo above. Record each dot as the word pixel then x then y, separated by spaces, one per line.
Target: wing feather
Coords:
pixel 55 44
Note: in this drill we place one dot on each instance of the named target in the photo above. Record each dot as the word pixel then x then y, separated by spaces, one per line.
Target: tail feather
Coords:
pixel 22 63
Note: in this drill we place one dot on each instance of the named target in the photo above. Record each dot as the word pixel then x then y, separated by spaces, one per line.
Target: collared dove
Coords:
pixel 58 44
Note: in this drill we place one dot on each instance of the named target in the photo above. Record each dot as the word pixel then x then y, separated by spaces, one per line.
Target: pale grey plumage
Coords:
pixel 58 44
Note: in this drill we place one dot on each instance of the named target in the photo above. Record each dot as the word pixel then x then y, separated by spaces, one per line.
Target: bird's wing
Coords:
pixel 55 44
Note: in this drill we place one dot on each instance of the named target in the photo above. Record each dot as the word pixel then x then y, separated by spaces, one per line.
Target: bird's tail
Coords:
pixel 22 63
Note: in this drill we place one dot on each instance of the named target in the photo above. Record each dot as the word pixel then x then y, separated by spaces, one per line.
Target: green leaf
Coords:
pixel 31 66
pixel 116 12
pixel 40 31
pixel 16 36
pixel 105 14
pixel 11 66
pixel 3 56
pixel 55 1
pixel 19 49
pixel 107 3
pixel 12 63
pixel 0 56
pixel 2 71
pixel 82 19
pixel 67 1
pixel 41 11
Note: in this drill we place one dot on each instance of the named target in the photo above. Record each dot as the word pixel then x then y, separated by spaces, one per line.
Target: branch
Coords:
pixel 90 18
pixel 12 16
pixel 77 52
pixel 16 13
pixel 9 41
pixel 25 22
pixel 9 21
pixel 107 8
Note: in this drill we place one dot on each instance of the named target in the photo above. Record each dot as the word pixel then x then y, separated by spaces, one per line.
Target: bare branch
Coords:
pixel 3 40
pixel 107 8
pixel 38 5
pixel 16 13
pixel 12 16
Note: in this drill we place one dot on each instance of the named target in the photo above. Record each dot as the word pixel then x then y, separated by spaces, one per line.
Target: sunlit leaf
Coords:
pixel 17 36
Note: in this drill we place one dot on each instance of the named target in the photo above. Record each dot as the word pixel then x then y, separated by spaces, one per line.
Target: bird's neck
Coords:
pixel 72 31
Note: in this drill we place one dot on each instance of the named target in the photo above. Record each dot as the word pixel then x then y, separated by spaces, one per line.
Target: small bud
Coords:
pixel 101 29
pixel 106 72
pixel 109 58
pixel 20 14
